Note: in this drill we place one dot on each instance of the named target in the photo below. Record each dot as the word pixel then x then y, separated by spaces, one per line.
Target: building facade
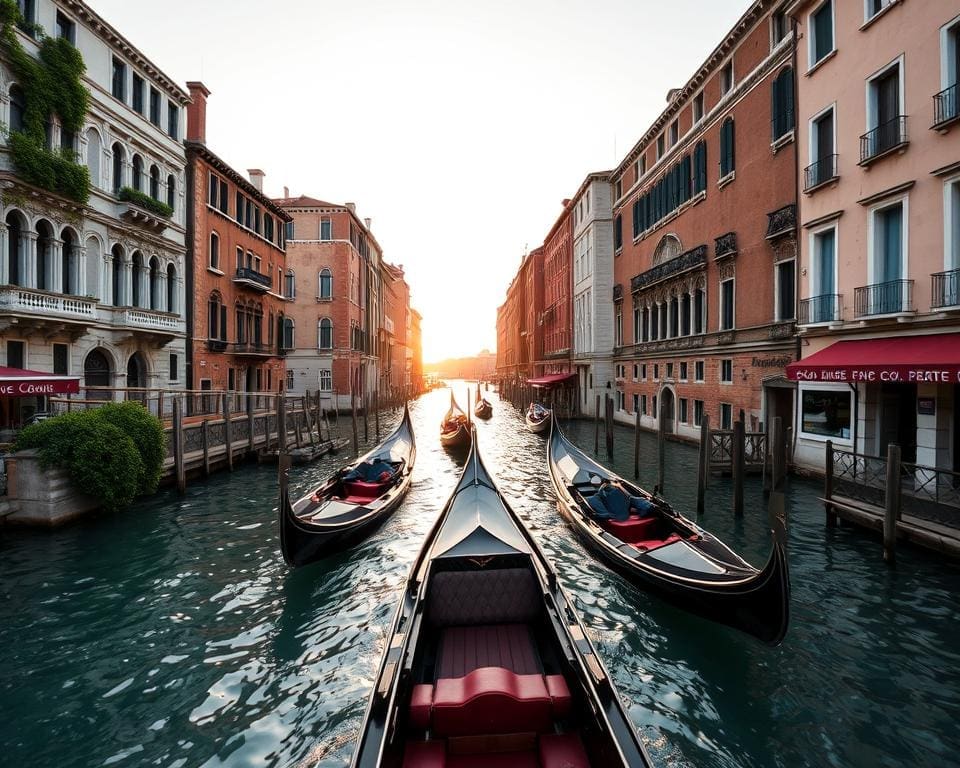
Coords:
pixel 95 287
pixel 395 363
pixel 511 359
pixel 236 271
pixel 705 242
pixel 334 264
pixel 555 315
pixel 592 288
pixel 879 141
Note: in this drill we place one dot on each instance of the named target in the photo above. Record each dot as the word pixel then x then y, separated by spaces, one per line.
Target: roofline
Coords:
pixel 331 208
pixel 107 30
pixel 590 179
pixel 204 152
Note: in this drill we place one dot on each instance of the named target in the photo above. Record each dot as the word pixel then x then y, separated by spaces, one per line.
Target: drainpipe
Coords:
pixel 856 416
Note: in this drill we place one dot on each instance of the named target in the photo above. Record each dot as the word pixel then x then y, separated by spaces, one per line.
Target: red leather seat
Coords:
pixel 421 705
pixel 649 544
pixel 634 528
pixel 464 649
pixel 365 490
pixel 491 700
pixel 425 754
pixel 559 693
pixel 562 750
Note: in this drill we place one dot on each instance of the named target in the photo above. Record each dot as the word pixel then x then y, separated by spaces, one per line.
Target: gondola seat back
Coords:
pixel 633 529
pixel 489 596
pixel 364 490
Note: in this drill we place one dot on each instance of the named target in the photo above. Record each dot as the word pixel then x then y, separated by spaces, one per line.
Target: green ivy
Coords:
pixel 52 84
pixel 131 195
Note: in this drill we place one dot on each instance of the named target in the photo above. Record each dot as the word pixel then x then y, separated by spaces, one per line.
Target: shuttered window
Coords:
pixel 618 233
pixel 822 26
pixel 700 167
pixel 727 145
pixel 781 105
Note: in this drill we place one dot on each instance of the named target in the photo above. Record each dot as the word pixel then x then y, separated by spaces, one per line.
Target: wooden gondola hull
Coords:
pixel 458 439
pixel 539 427
pixel 483 410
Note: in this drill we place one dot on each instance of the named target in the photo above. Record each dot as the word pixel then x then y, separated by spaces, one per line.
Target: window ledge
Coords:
pixel 325 299
pixel 788 138
pixel 726 179
pixel 882 12
pixel 897 148
pixel 831 182
pixel 215 271
pixel 820 63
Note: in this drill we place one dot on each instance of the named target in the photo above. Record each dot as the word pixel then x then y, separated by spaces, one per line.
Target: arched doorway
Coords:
pixel 668 404
pixel 96 373
pixel 136 372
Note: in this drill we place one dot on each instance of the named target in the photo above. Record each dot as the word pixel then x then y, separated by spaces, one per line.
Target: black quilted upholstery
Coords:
pixel 498 596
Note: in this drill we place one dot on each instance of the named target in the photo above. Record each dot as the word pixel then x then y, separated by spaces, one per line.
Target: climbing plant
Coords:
pixel 145 201
pixel 51 84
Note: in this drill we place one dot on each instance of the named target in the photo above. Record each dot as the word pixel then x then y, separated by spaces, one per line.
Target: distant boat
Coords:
pixel 487 663
pixel 455 428
pixel 483 409
pixel 350 505
pixel 538 418
pixel 666 553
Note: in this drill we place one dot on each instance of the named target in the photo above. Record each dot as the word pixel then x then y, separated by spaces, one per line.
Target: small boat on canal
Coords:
pixel 455 427
pixel 538 418
pixel 483 409
pixel 351 504
pixel 660 550
pixel 487 662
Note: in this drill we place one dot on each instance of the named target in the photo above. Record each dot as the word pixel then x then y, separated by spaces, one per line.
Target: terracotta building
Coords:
pixel 237 277
pixel 511 360
pixel 394 361
pixel 416 349
pixel 705 241
pixel 879 142
pixel 334 262
pixel 531 279
pixel 555 316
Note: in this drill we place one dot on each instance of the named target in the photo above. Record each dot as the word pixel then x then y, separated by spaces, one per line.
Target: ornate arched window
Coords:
pixel 154 182
pixel 119 155
pixel 326 333
pixel 326 284
pixel 171 191
pixel 668 248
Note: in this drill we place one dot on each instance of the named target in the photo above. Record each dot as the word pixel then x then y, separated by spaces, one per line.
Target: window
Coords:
pixel 214 250
pixel 822 305
pixel 66 28
pixel 155 106
pixel 643 371
pixel 636 325
pixel 873 7
pixel 726 78
pixel 174 368
pixel 618 189
pixel 618 233
pixel 825 413
pixel 18 106
pixel 778 28
pixel 683 410
pixel 726 305
pixel 28 10
pixel 240 209
pixel 822 153
pixel 660 147
pixel 326 284
pixel 636 403
pixel 656 371
pixel 699 311
pixel 946 104
pixel 669 370
pixel 290 287
pixel 61 356
pixel 643 165
pixel 138 173
pixel 698 108
pixel 325 333
pixel 697 412
pixel 670 192
pixel 726 416
pixel 821 33
pixel 636 372
pixel 781 105
pixel 290 231
pixel 618 329
pixel 326 229
pixel 889 236
pixel 138 87
pixel 674 132
pixel 726 371
pixel 786 290
pixel 698 367
pixel 173 121
pixel 154 182
pixel 119 80
pixel 727 148
pixel 326 380
pixel 16 354
pixel 683 371
pixel 886 125
pixel 643 404
pixel 171 191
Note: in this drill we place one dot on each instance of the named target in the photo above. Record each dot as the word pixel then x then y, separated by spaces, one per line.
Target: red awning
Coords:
pixel 906 359
pixel 17 382
pixel 551 379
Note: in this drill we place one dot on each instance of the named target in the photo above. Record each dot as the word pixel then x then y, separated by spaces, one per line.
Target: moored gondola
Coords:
pixel 351 504
pixel 538 418
pixel 660 550
pixel 483 409
pixel 455 427
pixel 487 662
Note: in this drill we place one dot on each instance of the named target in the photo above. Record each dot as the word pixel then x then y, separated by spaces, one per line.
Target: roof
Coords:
pixel 304 202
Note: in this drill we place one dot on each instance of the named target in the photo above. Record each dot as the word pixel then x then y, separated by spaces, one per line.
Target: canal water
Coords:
pixel 174 635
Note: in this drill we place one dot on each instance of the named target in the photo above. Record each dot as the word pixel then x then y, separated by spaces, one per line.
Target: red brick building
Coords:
pixel 511 360
pixel 556 315
pixel 394 372
pixel 705 240
pixel 416 348
pixel 236 271
pixel 531 279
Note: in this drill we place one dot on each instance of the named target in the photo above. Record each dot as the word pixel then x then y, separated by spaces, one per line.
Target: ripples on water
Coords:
pixel 174 635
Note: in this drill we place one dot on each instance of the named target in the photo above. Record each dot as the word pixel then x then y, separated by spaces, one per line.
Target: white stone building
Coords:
pixel 97 290
pixel 593 289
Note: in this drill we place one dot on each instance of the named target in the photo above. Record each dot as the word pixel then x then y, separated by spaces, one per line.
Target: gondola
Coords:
pixel 483 409
pixel 455 427
pixel 666 553
pixel 350 505
pixel 487 662
pixel 538 418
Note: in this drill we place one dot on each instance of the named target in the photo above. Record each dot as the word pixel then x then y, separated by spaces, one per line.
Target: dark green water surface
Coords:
pixel 174 635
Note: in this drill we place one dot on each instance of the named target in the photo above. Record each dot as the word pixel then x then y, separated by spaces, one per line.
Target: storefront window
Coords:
pixel 826 413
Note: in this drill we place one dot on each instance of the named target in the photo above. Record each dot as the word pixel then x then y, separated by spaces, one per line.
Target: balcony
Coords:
pixel 945 291
pixel 75 309
pixel 884 139
pixel 890 298
pixel 250 349
pixel 819 173
pixel 827 308
pixel 945 107
pixel 216 345
pixel 692 259
pixel 252 279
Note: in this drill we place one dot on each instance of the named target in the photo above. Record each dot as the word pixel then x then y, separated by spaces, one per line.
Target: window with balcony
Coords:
pixel 727 313
pixel 823 306
pixel 698 108
pixel 886 122
pixel 781 104
pixel 889 291
pixel 726 371
pixel 946 284
pixel 325 333
pixel 138 88
pixel 786 294
pixel 171 191
pixel 154 182
pixel 326 285
pixel 823 157
pixel 820 25
pixel 726 78
pixel 66 28
pixel 214 251
pixel 946 104
pixel 155 107
pixel 727 148
pixel 118 83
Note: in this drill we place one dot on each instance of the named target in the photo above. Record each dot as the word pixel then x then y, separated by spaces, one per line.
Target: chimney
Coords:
pixel 197 112
pixel 366 223
pixel 256 178
pixel 352 207
pixel 286 191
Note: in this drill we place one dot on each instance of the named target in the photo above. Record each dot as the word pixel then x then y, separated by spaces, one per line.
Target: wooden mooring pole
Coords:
pixel 891 505
pixel 738 448
pixel 661 443
pixel 609 425
pixel 365 403
pixel 205 437
pixel 636 446
pixel 178 446
pixel 376 411
pixel 703 464
pixel 353 416
pixel 281 424
pixel 778 454
pixel 828 485
pixel 596 429
pixel 227 430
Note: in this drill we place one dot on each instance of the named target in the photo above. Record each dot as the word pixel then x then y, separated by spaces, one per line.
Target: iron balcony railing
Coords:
pixel 884 138
pixel 945 106
pixel 827 308
pixel 820 172
pixel 216 345
pixel 884 298
pixel 251 348
pixel 945 289
pixel 245 273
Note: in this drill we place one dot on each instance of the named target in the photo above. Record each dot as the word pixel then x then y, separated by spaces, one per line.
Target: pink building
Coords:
pixel 879 278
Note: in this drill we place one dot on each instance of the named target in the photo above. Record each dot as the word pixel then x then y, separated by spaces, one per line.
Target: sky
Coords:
pixel 457 127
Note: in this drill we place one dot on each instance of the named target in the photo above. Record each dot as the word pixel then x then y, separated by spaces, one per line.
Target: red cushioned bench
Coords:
pixel 554 750
pixel 633 529
pixel 364 490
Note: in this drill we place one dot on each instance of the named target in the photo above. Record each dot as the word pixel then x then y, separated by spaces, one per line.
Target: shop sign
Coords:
pixel 902 375
pixel 771 362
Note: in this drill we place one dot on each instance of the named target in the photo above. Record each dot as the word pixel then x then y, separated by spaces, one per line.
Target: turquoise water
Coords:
pixel 174 635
